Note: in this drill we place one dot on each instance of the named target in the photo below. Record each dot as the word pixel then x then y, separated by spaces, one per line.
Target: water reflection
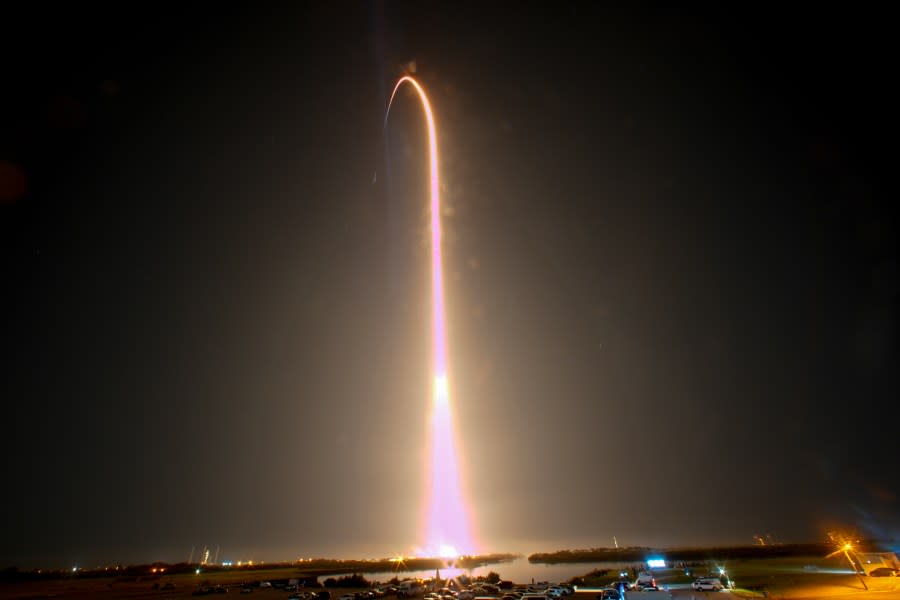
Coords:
pixel 517 571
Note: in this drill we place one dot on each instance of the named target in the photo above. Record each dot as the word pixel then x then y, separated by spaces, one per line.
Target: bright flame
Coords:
pixel 448 529
pixel 441 390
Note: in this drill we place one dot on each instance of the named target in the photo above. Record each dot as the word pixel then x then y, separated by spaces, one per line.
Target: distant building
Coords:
pixel 876 560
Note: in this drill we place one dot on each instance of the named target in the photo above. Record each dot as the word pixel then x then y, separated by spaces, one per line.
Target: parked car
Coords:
pixel 645 582
pixel 707 584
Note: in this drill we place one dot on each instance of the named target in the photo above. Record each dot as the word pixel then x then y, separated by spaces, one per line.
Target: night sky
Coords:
pixel 671 258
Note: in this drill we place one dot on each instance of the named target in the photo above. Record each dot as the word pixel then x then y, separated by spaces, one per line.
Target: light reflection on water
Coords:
pixel 518 571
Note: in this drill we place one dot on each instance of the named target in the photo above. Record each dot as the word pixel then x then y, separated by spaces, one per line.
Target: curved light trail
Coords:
pixel 448 531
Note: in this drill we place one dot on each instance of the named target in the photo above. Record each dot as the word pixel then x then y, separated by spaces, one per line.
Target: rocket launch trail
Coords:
pixel 447 526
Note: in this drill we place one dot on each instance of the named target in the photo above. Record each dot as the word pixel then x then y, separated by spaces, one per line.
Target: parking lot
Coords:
pixel 776 579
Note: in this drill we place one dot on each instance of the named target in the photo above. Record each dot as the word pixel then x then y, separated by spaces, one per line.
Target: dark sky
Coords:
pixel 671 274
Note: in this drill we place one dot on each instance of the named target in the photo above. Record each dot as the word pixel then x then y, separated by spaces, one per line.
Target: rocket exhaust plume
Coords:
pixel 448 533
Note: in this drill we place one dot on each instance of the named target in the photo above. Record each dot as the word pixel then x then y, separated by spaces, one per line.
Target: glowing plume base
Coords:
pixel 449 534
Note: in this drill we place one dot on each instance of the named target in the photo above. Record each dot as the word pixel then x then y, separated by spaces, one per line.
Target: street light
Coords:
pixel 845 547
pixel 728 581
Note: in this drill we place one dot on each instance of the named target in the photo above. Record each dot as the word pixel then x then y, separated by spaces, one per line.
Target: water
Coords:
pixel 517 571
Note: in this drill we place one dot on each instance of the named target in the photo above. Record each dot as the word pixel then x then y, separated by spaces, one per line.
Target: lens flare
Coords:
pixel 448 533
